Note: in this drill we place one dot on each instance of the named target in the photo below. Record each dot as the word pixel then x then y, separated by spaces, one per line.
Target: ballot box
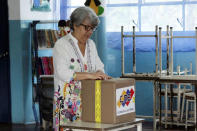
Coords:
pixel 108 101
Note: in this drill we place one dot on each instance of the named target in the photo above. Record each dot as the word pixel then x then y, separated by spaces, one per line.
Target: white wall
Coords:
pixel 14 9
pixel 21 10
pixel 27 14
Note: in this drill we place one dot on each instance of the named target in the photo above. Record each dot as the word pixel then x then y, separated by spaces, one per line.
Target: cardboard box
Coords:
pixel 108 101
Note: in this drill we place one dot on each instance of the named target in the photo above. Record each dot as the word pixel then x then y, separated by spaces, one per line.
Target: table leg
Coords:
pixel 154 106
pixel 166 104
pixel 171 103
pixel 139 127
pixel 159 106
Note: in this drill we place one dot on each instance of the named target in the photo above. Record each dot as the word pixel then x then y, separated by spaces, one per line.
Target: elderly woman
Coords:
pixel 75 58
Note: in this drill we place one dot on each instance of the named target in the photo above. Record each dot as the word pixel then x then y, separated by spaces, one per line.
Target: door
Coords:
pixel 5 99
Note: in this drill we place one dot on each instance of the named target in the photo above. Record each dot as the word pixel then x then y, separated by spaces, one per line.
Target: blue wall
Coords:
pixel 20 72
pixel 100 40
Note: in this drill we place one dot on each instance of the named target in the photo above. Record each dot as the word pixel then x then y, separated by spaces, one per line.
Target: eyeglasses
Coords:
pixel 88 28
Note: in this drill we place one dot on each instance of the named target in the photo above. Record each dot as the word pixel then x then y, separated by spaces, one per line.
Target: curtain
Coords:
pixel 5 110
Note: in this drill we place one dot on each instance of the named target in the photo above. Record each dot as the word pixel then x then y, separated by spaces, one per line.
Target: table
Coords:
pixel 103 127
pixel 157 79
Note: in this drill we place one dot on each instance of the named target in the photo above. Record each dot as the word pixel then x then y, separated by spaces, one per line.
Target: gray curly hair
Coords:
pixel 82 13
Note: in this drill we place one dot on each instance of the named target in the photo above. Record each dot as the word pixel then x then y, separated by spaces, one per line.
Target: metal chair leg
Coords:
pixel 182 109
pixel 166 105
pixel 186 112
pixel 178 103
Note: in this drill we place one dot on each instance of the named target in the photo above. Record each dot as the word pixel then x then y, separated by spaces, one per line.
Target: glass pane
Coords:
pixel 76 2
pixel 121 1
pixel 161 0
pixel 162 16
pixel 121 16
pixel 190 0
pixel 69 11
pixel 190 17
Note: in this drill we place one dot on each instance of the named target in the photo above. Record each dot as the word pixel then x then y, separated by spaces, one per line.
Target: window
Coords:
pixel 146 14
pixel 190 17
pixel 121 1
pixel 162 16
pixel 76 2
pixel 190 0
pixel 69 11
pixel 127 18
pixel 160 0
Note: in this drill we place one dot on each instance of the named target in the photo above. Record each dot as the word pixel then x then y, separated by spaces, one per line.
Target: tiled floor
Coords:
pixel 147 126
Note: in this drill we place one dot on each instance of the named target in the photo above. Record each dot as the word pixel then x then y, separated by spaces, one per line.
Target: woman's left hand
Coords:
pixel 103 75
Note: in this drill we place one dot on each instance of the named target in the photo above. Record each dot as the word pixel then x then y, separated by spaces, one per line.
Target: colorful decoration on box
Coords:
pixel 125 100
pixel 126 97
pixel 95 5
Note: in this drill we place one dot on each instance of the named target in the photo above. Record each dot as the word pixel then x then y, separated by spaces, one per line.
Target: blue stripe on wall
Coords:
pixel 17 94
pixel 148 44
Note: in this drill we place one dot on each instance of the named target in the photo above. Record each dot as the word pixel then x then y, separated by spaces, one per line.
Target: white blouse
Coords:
pixel 68 59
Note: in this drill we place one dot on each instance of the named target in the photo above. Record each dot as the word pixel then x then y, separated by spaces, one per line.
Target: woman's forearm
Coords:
pixel 82 76
pixel 99 75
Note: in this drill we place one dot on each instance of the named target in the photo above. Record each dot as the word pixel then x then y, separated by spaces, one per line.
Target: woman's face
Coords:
pixel 84 30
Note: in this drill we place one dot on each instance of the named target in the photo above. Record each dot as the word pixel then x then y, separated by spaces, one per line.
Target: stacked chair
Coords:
pixel 174 97
pixel 172 92
pixel 189 113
